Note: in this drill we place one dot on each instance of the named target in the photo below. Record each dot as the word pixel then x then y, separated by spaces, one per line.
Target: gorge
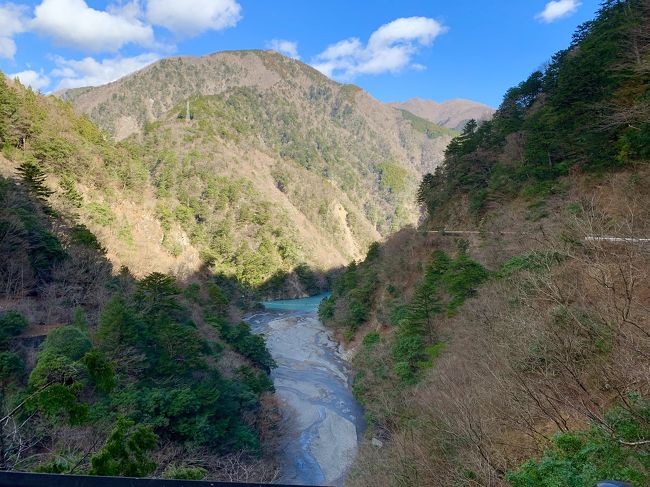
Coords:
pixel 479 279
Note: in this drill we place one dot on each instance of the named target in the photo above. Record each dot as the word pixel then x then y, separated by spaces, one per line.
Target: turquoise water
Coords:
pixel 304 305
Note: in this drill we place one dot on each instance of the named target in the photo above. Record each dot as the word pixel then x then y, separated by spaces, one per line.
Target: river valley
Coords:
pixel 313 382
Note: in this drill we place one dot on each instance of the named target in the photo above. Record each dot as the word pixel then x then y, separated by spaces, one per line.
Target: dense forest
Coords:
pixel 505 341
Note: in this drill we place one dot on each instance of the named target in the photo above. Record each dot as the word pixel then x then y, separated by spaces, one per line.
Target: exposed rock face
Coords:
pixel 453 114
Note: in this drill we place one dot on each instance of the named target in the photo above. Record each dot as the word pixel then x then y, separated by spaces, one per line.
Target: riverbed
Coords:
pixel 312 381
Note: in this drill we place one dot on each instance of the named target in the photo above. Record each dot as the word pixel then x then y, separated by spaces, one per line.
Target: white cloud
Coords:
pixel 7 47
pixel 90 72
pixel 36 80
pixel 285 47
pixel 190 18
pixel 12 21
pixel 73 23
pixel 558 9
pixel 390 48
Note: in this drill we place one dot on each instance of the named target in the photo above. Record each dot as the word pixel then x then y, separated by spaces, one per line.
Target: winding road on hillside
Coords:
pixel 312 380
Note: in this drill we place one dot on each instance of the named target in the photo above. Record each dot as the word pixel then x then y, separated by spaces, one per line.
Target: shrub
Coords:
pixel 34 178
pixel 12 324
pixel 326 308
pixel 126 452
pixel 81 235
pixel 393 177
pixel 11 366
pixel 371 339
pixel 67 341
pixel 100 214
pixel 100 371
pixel 357 313
pixel 616 449
pixel 177 472
pixel 246 343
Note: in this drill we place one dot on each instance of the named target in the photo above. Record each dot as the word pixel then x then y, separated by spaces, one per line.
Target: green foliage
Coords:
pixel 126 452
pixel 238 233
pixel 59 403
pixel 100 214
pixel 163 390
pixel 534 261
pixel 371 339
pixel 246 343
pixel 217 296
pixel 393 177
pixel 68 341
pixel 58 375
pixel 100 371
pixel 54 368
pixel 428 128
pixel 177 472
pixel 34 178
pixel 357 313
pixel 616 449
pixel 12 324
pixel 58 465
pixel 192 292
pixel 119 325
pixel 11 366
pixel 27 238
pixel 374 250
pixel 555 120
pixel 326 308
pixel 81 235
pixel 446 285
pixel 357 284
pixel 258 381
pixel 158 293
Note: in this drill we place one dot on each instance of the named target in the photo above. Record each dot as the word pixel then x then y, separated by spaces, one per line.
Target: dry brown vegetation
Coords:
pixel 540 351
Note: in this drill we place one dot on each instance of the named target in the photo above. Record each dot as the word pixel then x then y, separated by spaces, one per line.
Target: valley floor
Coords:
pixel 322 418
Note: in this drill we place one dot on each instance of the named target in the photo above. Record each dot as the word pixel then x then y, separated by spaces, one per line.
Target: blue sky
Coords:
pixel 437 49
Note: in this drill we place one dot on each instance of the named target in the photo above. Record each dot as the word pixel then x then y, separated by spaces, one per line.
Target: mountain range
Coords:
pixel 337 166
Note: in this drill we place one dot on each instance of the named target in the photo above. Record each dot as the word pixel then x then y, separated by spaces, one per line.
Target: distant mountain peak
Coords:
pixel 452 114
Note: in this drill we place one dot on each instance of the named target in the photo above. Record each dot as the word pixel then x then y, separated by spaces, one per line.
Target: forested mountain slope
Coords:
pixel 515 352
pixel 239 188
pixel 328 154
pixel 105 374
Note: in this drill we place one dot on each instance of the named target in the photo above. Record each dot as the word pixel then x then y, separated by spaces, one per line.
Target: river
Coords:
pixel 312 381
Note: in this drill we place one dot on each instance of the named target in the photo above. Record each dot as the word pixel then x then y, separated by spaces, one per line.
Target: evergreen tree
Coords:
pixel 34 179
pixel 126 452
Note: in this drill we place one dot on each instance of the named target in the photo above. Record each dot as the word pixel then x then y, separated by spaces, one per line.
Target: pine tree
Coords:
pixel 34 179
pixel 127 451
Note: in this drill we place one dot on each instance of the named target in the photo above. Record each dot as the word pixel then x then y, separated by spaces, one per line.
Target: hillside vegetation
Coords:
pixel 135 377
pixel 155 209
pixel 515 353
pixel 324 153
pixel 125 266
